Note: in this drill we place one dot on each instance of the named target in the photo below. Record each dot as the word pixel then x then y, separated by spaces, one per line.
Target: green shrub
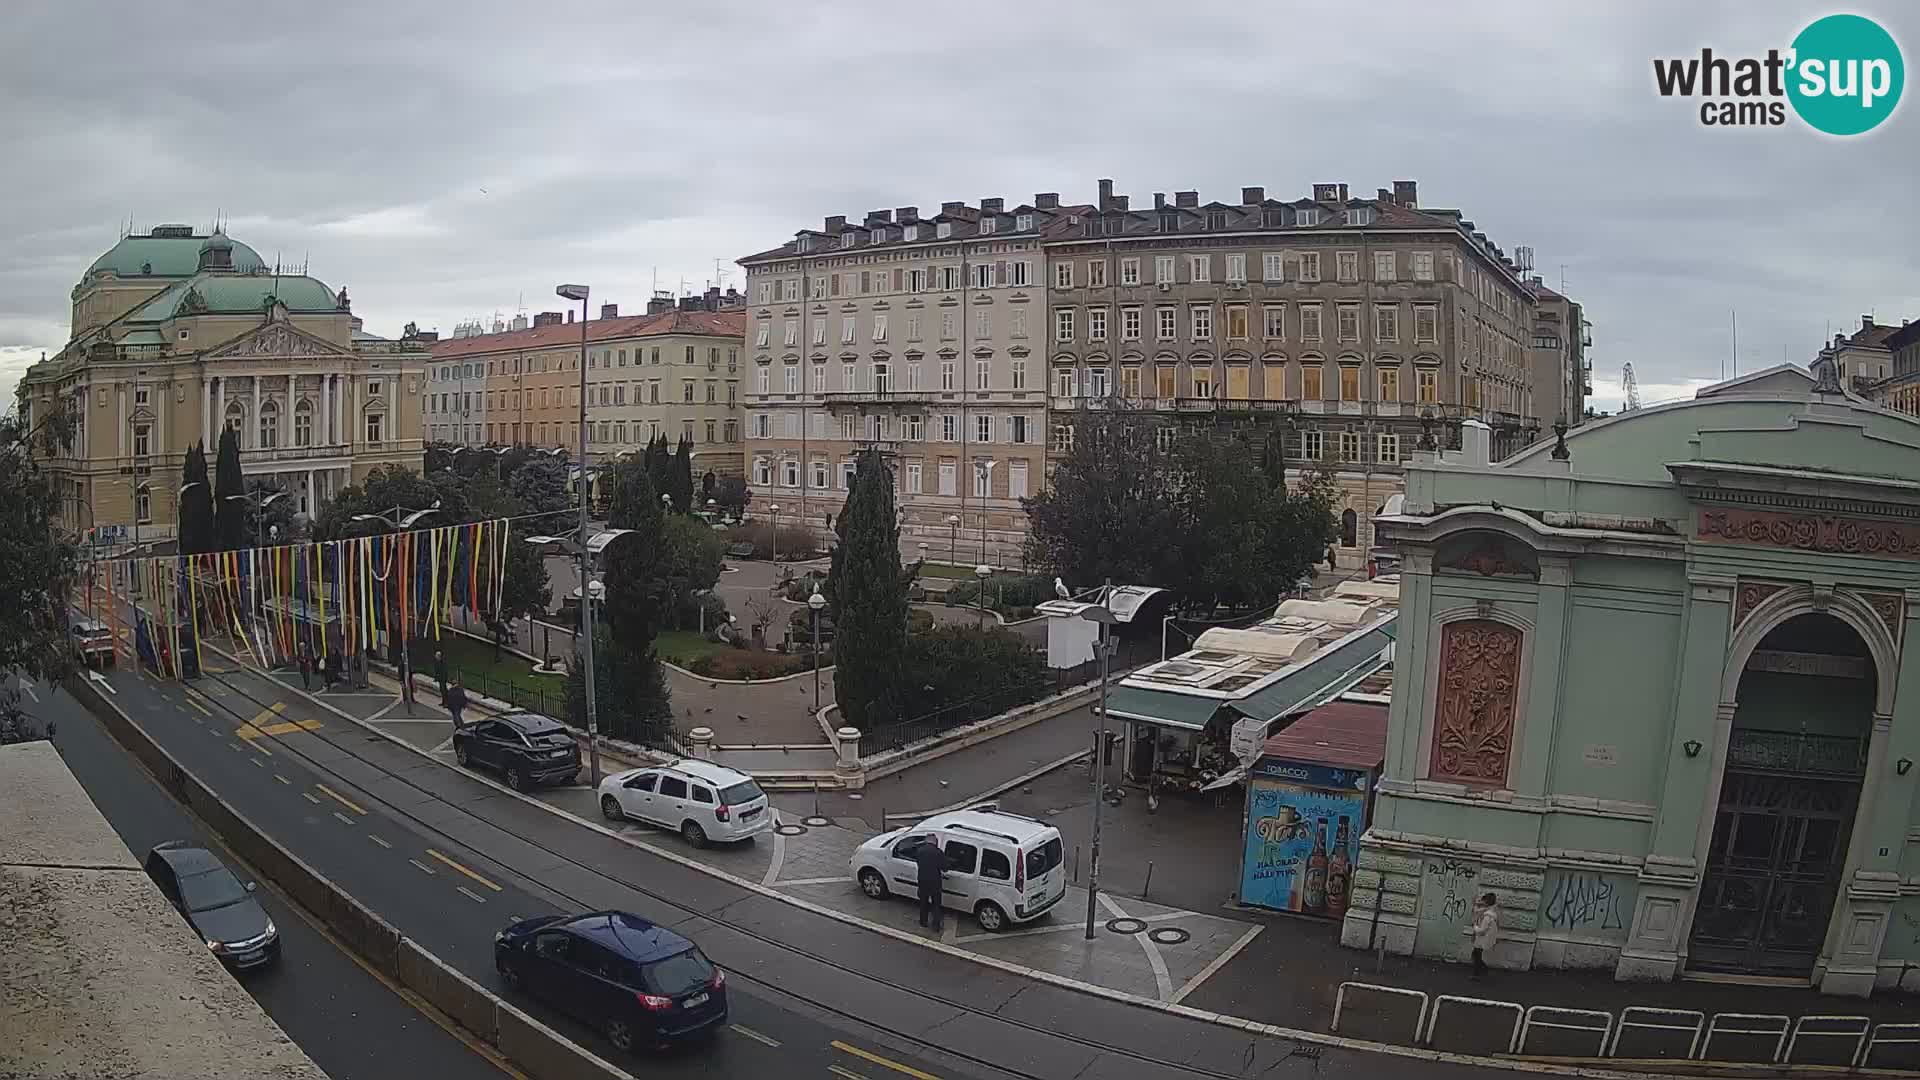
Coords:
pixel 1006 593
pixel 967 669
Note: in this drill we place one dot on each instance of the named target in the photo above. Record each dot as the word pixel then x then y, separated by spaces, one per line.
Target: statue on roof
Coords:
pixel 192 303
pixel 341 300
pixel 1826 374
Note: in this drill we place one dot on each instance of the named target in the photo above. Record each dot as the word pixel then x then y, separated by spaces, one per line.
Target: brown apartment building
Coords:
pixel 1354 322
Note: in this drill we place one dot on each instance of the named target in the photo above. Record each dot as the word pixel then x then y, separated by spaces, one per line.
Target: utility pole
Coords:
pixel 1104 616
pixel 579 292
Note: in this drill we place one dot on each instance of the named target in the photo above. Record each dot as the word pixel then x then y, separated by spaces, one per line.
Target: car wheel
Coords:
pixel 990 916
pixel 620 1034
pixel 460 754
pixel 510 974
pixel 515 779
pixel 873 883
pixel 694 834
pixel 610 808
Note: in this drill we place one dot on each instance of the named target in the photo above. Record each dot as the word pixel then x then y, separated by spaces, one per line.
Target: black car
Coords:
pixel 641 984
pixel 218 907
pixel 527 747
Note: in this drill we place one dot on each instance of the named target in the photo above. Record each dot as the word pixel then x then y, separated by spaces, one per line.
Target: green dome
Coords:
pixel 174 252
pixel 237 294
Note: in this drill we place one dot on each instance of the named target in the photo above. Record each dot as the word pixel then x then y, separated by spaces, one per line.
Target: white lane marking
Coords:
pixel 755 1036
pixel 258 762
pixel 844 1074
pixel 379 841
pixel 280 778
pixel 779 852
pixel 344 819
pixel 28 687
pixel 309 797
pixel 1161 978
pixel 1217 963
pixel 841 880
pixel 420 866
pixel 470 894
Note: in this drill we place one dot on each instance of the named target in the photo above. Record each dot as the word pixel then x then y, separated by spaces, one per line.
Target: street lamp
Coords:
pixel 775 511
pixel 1102 614
pixel 816 604
pixel 399 519
pixel 953 538
pixel 261 498
pixel 983 572
pixel 579 292
pixel 986 489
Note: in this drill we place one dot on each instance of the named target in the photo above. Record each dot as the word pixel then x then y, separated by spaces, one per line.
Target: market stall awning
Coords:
pixel 1161 708
pixel 1330 673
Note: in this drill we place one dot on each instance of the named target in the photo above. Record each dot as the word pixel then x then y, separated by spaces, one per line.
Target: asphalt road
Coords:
pixel 446 896
pixel 347 1021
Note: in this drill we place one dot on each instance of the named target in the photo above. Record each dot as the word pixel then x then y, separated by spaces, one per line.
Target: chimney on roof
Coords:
pixel 1866 322
pixel 1188 199
pixel 1383 195
pixel 1343 193
pixel 1047 200
pixel 885 216
pixel 519 322
pixel 908 215
pixel 546 318
pixel 1159 200
pixel 660 304
pixel 1406 193
pixel 1106 194
pixel 993 206
pixel 1120 202
pixel 951 207
pixel 835 223
pixel 609 311
pixel 569 315
pixel 1252 196
pixel 1326 192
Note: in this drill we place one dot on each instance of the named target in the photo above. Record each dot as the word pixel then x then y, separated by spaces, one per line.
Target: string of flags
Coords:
pixel 347 597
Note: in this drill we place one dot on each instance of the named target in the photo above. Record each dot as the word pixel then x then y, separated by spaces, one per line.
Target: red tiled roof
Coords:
pixel 1344 734
pixel 728 324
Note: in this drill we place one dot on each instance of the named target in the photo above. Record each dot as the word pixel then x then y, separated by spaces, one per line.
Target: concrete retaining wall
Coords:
pixel 539 1051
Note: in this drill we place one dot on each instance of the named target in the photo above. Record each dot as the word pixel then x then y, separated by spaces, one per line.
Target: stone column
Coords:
pixel 120 393
pixel 251 437
pixel 701 739
pixel 313 494
pixel 323 420
pixel 219 415
pixel 1532 774
pixel 847 768
pixel 206 410
pixel 1864 908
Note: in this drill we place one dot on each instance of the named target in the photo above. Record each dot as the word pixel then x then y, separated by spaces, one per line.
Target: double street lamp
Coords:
pixel 579 293
pixel 815 605
pixel 261 498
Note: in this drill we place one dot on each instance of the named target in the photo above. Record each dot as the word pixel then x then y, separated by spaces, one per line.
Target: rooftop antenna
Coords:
pixel 1736 343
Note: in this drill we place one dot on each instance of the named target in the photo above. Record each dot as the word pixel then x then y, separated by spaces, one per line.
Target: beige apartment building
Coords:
pixel 1562 371
pixel 924 337
pixel 1355 323
pixel 178 334
pixel 675 373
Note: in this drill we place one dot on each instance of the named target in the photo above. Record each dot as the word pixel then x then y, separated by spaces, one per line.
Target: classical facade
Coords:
pixel 924 337
pixel 1648 689
pixel 675 373
pixel 176 335
pixel 1343 317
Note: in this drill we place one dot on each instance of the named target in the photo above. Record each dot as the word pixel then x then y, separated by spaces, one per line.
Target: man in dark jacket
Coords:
pixel 440 672
pixel 932 863
pixel 455 700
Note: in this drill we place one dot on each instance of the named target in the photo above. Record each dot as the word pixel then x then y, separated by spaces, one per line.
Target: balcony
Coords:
pixel 264 455
pixel 879 397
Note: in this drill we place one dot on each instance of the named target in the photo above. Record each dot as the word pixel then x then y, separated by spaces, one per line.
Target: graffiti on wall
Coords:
pixel 1452 882
pixel 1586 902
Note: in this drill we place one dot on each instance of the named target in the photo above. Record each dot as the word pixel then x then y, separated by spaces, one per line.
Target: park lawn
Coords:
pixel 471 658
pixel 683 647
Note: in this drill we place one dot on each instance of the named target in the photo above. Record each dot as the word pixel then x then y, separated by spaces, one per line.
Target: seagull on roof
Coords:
pixel 1060 589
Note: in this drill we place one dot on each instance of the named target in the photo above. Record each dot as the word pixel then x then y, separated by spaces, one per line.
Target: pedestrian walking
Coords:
pixel 306 668
pixel 455 699
pixel 440 672
pixel 932 863
pixel 1484 930
pixel 331 670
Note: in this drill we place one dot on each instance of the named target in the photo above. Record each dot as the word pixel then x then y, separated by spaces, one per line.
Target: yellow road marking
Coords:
pixel 379 841
pixel 755 1036
pixel 442 858
pixel 307 795
pixel 844 1074
pixel 885 1063
pixel 339 798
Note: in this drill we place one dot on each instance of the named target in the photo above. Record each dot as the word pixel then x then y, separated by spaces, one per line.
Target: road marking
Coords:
pixel 282 779
pixel 844 1074
pixel 423 867
pixel 28 687
pixel 202 708
pixel 258 762
pixel 197 721
pixel 885 1063
pixel 379 841
pixel 1216 964
pixel 756 1036
pixel 436 855
pixel 235 747
pixel 339 798
pixel 839 880
pixel 104 684
pixel 344 819
pixel 308 795
pixel 470 894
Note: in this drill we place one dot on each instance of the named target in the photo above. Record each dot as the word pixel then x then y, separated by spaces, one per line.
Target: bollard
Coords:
pixel 1148 887
pixel 1076 863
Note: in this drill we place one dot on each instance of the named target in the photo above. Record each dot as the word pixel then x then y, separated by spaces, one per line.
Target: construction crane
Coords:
pixel 1629 388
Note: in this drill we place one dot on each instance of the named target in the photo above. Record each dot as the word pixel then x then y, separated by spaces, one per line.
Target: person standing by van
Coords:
pixel 932 863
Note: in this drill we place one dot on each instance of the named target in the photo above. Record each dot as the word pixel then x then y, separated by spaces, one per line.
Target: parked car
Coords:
pixel 641 984
pixel 93 643
pixel 527 747
pixel 1003 869
pixel 214 902
pixel 699 800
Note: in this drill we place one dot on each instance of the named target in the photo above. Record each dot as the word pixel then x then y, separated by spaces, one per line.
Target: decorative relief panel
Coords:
pixel 1478 698
pixel 1750 595
pixel 1491 557
pixel 1813 532
pixel 1892 609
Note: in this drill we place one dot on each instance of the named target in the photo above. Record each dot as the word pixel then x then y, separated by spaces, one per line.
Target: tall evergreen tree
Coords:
pixel 37 571
pixel 658 459
pixel 229 514
pixel 680 476
pixel 869 599
pixel 196 533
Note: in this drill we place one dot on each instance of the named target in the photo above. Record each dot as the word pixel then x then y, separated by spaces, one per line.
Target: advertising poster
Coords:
pixel 1301 844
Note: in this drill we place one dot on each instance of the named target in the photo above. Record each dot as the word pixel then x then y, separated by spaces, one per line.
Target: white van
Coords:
pixel 1002 868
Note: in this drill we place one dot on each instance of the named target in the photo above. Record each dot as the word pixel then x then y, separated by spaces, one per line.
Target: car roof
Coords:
pixel 187 861
pixel 718 775
pixel 91 626
pixel 628 935
pixel 528 721
pixel 997 823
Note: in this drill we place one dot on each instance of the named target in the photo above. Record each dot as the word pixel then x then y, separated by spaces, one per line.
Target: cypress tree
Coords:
pixel 680 476
pixel 196 504
pixel 869 598
pixel 229 514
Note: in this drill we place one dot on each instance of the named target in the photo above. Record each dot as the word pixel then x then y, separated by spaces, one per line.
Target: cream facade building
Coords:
pixel 177 335
pixel 924 337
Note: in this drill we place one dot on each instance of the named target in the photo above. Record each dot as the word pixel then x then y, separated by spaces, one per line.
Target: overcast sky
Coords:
pixel 450 161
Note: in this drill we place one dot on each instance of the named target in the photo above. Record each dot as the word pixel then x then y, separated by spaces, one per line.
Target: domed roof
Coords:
pixel 237 294
pixel 170 251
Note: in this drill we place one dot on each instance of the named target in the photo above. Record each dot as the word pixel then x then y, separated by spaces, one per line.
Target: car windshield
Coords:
pixel 743 792
pixel 679 973
pixel 215 888
pixel 544 732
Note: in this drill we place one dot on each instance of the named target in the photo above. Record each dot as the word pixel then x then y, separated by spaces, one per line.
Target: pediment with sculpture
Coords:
pixel 1488 554
pixel 276 339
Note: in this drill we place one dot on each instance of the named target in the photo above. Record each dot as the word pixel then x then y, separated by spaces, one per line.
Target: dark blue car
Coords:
pixel 641 984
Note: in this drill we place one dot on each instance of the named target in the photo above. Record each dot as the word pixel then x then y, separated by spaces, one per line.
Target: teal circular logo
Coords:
pixel 1846 76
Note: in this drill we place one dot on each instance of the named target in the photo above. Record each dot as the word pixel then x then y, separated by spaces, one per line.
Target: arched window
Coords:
pixel 143 504
pixel 236 418
pixel 303 424
pixel 269 425
pixel 1349 528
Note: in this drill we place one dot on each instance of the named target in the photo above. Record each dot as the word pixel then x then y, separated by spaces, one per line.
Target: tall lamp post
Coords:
pixel 986 491
pixel 579 292
pixel 953 538
pixel 398 519
pixel 260 498
pixel 1103 615
pixel 815 605
pixel 983 572
pixel 775 534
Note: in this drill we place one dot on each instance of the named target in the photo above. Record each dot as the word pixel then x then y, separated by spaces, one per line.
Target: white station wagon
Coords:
pixel 701 801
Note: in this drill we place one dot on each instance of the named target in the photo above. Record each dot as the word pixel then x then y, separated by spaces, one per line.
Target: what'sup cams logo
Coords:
pixel 1842 75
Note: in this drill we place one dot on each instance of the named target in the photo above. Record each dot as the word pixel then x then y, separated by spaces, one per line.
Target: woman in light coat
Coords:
pixel 1484 930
